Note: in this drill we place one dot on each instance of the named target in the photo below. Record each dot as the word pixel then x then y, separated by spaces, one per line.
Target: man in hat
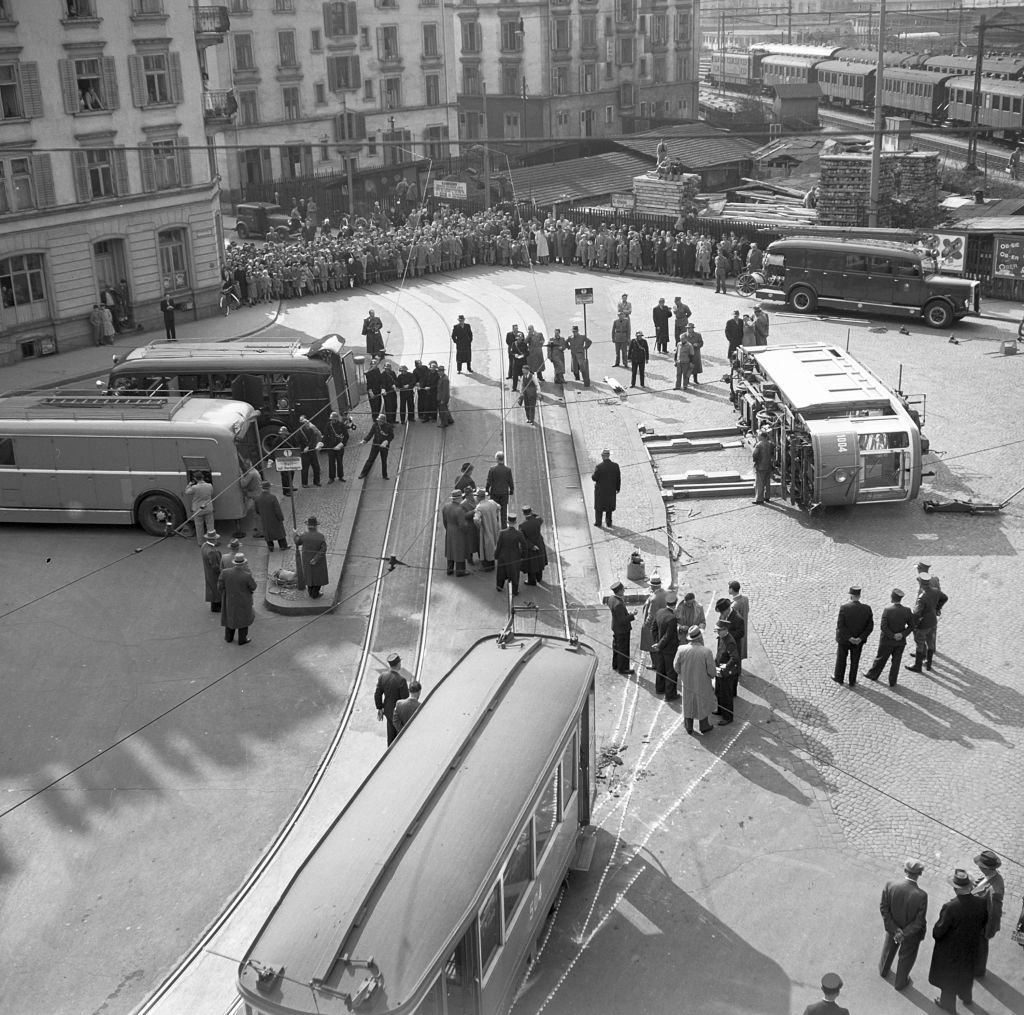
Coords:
pixel 661 315
pixel 622 622
pixel 487 518
pixel 904 908
pixel 312 558
pixel 648 623
pixel 638 353
pixel 453 518
pixel 897 622
pixel 695 668
pixel 536 558
pixel 991 888
pixel 854 624
pixel 762 457
pixel 210 553
pixel 236 588
pixel 500 484
pixel 227 559
pixel 579 343
pixel 958 934
pixel 280 444
pixel 509 553
pixel 831 984
pixel 372 327
pixel 381 434
pixel 666 644
pixel 926 621
pixel 727 672
pixel 462 336
pixel 733 334
pixel 405 382
pixel 336 435
pixel 392 687
pixel 607 483
pixel 268 509
pixel 407 707
pixel 737 625
pixel 200 490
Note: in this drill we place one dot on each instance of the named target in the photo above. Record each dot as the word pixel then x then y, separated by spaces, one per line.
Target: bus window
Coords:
pixel 247 444
pixel 7 453
pixel 490 928
pixel 908 269
pixel 518 872
pixel 855 262
pixel 547 814
pixel 460 977
pixel 880 266
pixel 569 773
pixel 829 260
pixel 198 384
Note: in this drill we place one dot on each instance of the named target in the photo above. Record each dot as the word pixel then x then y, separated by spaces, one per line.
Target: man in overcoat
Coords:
pixel 509 553
pixel 536 558
pixel 312 558
pixel 662 315
pixel 500 484
pixel 607 483
pixel 991 888
pixel 958 934
pixel 904 908
pixel 666 644
pixel 727 672
pixel 453 518
pixel 210 552
pixel 236 588
pixel 487 517
pixel 462 336
pixel 927 609
pixel 392 687
pixel 271 517
pixel 853 626
pixel 897 623
pixel 622 622
pixel 695 665
pixel 740 605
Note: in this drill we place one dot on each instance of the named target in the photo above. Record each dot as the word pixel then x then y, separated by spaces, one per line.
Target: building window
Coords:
pixel 165 165
pixel 173 247
pixel 100 168
pixel 342 73
pixel 471 36
pixel 387 42
pixel 510 80
pixel 16 185
pixel 371 145
pixel 561 36
pixel 79 9
pixel 149 6
pixel 286 49
pixel 471 80
pixel 243 52
pixel 626 94
pixel 437 138
pixel 511 37
pixel 291 103
pixel 588 31
pixel 660 70
pixel 239 6
pixel 364 38
pixel 430 40
pixel 560 81
pixel 511 126
pixel 627 50
pixel 340 18
pixel 391 93
pixel 284 6
pixel 325 153
pixel 5 14
pixel 158 89
pixel 368 90
pixel 21 280
pixel 11 107
pixel 562 118
pixel 89 81
pixel 248 107
pixel 588 77
pixel 659 29
pixel 609 115
pixel 642 68
pixel 625 10
pixel 315 40
pixel 320 93
pixel 433 89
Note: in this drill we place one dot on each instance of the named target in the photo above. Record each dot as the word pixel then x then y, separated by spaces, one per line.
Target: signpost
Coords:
pixel 449 190
pixel 583 297
pixel 289 460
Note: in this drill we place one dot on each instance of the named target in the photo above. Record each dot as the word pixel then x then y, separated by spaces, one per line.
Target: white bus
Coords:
pixel 120 460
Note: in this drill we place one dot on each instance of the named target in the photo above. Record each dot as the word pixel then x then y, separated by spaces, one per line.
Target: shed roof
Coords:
pixel 993 224
pixel 594 176
pixel 798 90
pixel 694 145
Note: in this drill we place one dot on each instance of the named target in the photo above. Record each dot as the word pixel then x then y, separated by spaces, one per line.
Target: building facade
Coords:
pixel 105 183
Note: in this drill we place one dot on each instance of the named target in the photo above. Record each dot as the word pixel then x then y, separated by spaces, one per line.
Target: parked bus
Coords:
pixel 840 435
pixel 282 380
pixel 121 460
pixel 431 888
pixel 865 276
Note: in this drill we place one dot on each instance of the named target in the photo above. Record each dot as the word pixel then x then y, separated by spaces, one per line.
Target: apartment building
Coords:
pixel 574 68
pixel 319 83
pixel 103 172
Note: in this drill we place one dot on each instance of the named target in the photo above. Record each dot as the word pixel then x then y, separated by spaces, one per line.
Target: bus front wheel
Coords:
pixel 938 314
pixel 159 515
pixel 802 299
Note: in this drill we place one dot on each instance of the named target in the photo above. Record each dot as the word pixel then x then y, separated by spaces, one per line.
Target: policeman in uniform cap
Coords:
pixel 896 626
pixel 831 984
pixel 392 687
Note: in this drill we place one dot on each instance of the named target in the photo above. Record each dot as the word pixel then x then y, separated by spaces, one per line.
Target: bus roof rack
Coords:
pixel 216 350
pixel 93 405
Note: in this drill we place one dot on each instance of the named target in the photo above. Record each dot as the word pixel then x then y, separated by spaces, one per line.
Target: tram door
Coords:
pixel 460 979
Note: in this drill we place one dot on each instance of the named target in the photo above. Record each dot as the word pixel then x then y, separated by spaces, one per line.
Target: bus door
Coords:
pixel 37 468
pixel 10 479
pixel 908 288
pixel 855 285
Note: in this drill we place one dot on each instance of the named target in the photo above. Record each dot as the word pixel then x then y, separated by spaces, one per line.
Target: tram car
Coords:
pixel 429 891
pixel 840 436
pixel 1000 109
pixel 847 84
pixel 919 94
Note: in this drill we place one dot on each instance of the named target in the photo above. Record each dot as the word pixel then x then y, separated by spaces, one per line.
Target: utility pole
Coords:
pixel 789 20
pixel 972 135
pixel 347 156
pixel 876 148
pixel 487 150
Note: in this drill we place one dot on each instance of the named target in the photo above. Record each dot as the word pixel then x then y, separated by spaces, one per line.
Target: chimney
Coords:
pixel 979 196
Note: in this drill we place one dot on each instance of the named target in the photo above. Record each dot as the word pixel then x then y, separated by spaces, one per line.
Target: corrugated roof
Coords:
pixel 591 177
pixel 1003 208
pixel 693 145
pixel 994 224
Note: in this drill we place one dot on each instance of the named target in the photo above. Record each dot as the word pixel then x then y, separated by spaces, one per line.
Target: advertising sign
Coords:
pixel 449 190
pixel 584 296
pixel 1008 261
pixel 950 250
pixel 624 202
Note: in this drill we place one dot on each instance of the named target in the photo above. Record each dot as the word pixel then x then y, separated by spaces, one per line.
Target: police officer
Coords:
pixel 380 437
pixel 392 687
pixel 374 379
pixel 897 622
pixel 926 621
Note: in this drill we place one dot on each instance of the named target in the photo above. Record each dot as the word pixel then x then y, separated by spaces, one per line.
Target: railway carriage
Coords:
pixel 916 93
pixel 1008 68
pixel 741 71
pixel 1000 108
pixel 789 70
pixel 889 58
pixel 429 891
pixel 847 84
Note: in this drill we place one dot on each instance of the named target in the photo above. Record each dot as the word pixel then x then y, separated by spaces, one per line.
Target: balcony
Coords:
pixel 219 107
pixel 211 25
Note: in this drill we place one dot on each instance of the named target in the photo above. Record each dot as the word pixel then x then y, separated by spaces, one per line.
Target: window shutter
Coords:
pixel 359 126
pixel 339 126
pixel 68 85
pixel 42 178
pixel 328 19
pixel 333 85
pixel 380 43
pixel 137 81
pixel 147 168
pixel 355 80
pixel 81 173
pixel 184 162
pixel 31 93
pixel 119 158
pixel 268 171
pixel 177 84
pixel 110 94
pixel 350 18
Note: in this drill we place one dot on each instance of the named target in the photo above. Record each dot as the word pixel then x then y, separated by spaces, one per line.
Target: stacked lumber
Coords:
pixel 657 196
pixel 769 211
pixel 845 183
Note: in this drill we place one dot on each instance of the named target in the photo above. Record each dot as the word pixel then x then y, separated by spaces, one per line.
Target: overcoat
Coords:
pixel 509 554
pixel 607 483
pixel 536 558
pixel 695 665
pixel 313 548
pixel 654 602
pixel 453 517
pixel 957 932
pixel 268 507
pixel 488 522
pixel 211 572
pixel 236 588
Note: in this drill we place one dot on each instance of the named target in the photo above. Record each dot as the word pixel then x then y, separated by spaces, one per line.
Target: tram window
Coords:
pixel 460 977
pixel 490 928
pixel 883 441
pixel 6 452
pixel 196 383
pixel 569 772
pixel 547 815
pixel 1016 105
pixel 518 872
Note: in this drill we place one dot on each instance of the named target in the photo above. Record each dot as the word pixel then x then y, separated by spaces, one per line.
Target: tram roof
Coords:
pixel 269 355
pixel 397 874
pixel 821 379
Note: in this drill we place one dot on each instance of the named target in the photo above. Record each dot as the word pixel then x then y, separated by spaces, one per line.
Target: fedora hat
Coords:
pixel 913 867
pixel 693 633
pixel 961 882
pixel 987 860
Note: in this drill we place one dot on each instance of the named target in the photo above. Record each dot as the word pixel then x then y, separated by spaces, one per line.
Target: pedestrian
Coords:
pixel 927 609
pixel 684 353
pixel 580 358
pixel 536 557
pixel 462 336
pixel 991 888
pixel 487 518
pixel 622 623
pixel 511 338
pixel 733 334
pixel 831 985
pixel 737 625
pixel 374 381
pixel 310 440
pixel 509 553
pixel 648 621
pixel 210 553
pixel 389 392
pixel 607 479
pixel 271 517
pixel 662 315
pixel 500 484
pixel 96 324
pixel 278 445
pixel 695 666
pixel 464 481
pixel 958 934
pixel 696 339
pixel 392 687
pixel 666 644
pixel 167 308
pixel 749 338
pixel 237 585
pixel 728 667
pixel 453 519
pixel 407 707
pixel 200 491
pixel 620 339
pixel 336 435
pixel 638 353
pixel 519 352
pixel 312 557
pixel 853 626
pixel 762 456
pixel 897 622
pixel 723 263
pixel 372 328
pixel 227 560
pixel 625 309
pixel 405 382
pixel 682 314
pixel 556 356
pixel 249 485
pixel 689 613
pixel 427 387
pixel 904 907
pixel 933 581
pixel 741 605
pixel 761 326
pixel 444 396
pixel 535 353
pixel 380 437
pixel 755 258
